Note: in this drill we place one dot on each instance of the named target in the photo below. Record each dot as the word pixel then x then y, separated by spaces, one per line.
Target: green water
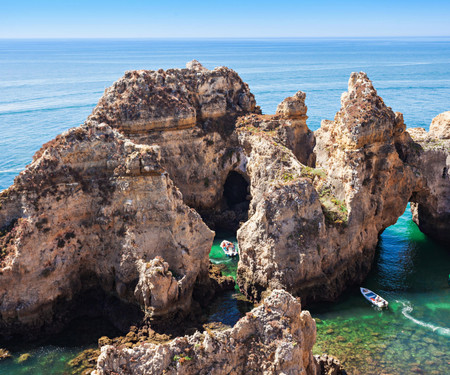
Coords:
pixel 52 355
pixel 231 306
pixel 413 335
pixel 42 361
pixel 217 256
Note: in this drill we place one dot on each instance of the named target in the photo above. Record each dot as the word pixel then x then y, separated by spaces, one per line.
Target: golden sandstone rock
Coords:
pixel 111 209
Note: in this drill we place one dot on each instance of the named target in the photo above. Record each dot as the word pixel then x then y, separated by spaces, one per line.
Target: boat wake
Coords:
pixel 407 309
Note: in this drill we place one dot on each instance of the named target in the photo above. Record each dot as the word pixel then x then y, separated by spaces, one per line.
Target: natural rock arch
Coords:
pixel 160 143
pixel 313 231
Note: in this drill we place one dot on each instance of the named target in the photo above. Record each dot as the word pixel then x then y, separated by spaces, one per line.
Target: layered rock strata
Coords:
pixel 313 231
pixel 190 114
pixel 94 210
pixel 274 338
pixel 97 208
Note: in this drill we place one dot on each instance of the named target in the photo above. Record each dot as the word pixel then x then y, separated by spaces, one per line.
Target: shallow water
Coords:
pixel 48 86
pixel 52 355
pixel 413 335
pixel 217 256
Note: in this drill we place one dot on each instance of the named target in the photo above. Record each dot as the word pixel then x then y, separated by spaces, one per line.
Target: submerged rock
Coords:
pixel 24 357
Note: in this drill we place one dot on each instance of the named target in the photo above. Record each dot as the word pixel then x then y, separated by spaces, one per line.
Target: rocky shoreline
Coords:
pixel 122 209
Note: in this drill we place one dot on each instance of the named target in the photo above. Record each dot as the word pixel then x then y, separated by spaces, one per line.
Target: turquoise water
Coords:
pixel 217 256
pixel 231 306
pixel 48 86
pixel 413 335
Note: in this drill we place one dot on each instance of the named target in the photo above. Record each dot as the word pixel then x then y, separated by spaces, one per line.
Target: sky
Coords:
pixel 222 19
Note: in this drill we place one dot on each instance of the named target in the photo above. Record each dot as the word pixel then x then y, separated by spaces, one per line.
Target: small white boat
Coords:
pixel 374 298
pixel 228 248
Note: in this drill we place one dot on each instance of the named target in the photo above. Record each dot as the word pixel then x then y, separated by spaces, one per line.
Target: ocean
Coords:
pixel 48 86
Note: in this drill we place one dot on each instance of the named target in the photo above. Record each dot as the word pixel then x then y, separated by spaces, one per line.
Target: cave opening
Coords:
pixel 235 191
pixel 232 209
pixel 235 203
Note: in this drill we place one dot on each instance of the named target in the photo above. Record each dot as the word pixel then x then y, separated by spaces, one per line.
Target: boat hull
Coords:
pixel 374 298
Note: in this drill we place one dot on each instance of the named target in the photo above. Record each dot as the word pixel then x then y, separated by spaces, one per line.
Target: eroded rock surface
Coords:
pixel 190 114
pixel 440 126
pixel 97 208
pixel 284 202
pixel 313 231
pixel 274 338
pixel 430 153
pixel 95 211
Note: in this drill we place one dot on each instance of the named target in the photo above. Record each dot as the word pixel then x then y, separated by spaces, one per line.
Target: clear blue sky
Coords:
pixel 232 18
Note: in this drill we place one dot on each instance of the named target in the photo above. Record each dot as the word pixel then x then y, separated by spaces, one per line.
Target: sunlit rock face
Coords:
pixel 274 338
pixel 440 126
pixel 313 231
pixel 96 211
pixel 113 205
pixel 430 153
pixel 190 113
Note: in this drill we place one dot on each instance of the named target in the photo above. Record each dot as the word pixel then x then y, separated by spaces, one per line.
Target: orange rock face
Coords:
pixel 113 205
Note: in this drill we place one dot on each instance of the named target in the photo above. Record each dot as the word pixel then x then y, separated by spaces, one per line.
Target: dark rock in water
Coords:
pixel 329 365
pixel 219 282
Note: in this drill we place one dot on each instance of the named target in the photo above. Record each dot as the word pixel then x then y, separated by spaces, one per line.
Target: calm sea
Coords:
pixel 47 86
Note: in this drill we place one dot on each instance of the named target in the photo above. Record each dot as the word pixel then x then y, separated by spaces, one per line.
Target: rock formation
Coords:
pixel 274 338
pixel 190 114
pixel 284 202
pixel 430 153
pixel 99 208
pixel 95 211
pixel 313 231
pixel 440 126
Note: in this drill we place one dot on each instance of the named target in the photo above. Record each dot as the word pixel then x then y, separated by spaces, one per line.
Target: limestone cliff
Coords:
pixel 190 114
pixel 99 207
pixel 430 153
pixel 274 338
pixel 95 211
pixel 314 231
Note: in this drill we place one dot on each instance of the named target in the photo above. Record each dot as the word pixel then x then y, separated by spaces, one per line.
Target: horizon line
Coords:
pixel 227 38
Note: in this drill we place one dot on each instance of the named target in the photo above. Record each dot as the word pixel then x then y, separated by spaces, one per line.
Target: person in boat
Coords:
pixel 227 246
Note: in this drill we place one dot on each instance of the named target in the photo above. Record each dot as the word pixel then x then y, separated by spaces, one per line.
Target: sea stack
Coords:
pixel 121 212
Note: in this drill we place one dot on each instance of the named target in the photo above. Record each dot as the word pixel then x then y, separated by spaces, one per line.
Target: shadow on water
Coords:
pixel 52 354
